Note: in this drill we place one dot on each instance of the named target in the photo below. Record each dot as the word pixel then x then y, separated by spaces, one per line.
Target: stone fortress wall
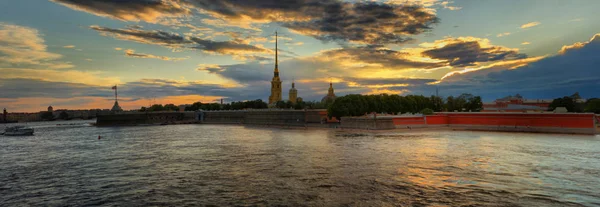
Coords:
pixel 488 121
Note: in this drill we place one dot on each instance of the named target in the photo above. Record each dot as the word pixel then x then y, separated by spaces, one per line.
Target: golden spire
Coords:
pixel 276 60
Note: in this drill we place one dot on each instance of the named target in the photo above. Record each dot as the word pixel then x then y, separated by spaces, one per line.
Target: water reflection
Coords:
pixel 235 165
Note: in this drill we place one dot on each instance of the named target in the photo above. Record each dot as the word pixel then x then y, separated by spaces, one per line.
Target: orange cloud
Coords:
pixel 530 24
pixel 131 53
pixel 578 45
pixel 24 47
pixel 148 11
pixel 69 76
pixel 503 34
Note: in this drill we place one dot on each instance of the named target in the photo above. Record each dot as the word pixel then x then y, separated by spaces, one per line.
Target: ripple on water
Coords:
pixel 219 165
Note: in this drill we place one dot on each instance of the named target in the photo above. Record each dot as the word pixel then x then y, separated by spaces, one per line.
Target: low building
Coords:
pixel 517 103
pixel 23 117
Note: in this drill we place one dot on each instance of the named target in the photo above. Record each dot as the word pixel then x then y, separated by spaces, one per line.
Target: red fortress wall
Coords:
pixel 520 122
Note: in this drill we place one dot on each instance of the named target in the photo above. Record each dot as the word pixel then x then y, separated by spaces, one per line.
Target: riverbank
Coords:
pixel 562 123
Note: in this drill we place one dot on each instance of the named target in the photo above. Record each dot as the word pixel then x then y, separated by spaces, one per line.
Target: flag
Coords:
pixel 114 87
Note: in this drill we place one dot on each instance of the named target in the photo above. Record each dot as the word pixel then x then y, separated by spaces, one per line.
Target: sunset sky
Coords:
pixel 68 53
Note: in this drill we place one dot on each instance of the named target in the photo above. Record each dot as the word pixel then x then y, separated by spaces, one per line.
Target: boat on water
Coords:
pixel 18 131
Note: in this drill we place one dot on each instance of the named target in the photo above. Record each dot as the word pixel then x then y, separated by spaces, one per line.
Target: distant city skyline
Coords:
pixel 69 53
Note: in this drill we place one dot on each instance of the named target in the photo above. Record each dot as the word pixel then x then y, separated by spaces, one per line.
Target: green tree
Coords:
pixel 289 104
pixel 280 104
pixel 156 107
pixel 451 104
pixel 593 106
pixel 567 102
pixel 437 103
pixel 48 116
pixel 194 107
pixel 474 104
pixel 427 111
pixel 170 107
pixel 63 115
pixel 300 105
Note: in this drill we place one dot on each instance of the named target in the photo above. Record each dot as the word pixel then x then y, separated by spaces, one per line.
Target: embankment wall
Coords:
pixel 138 118
pixel 367 123
pixel 262 117
pixel 517 122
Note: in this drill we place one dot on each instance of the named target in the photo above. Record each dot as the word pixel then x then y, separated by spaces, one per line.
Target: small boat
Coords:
pixel 18 131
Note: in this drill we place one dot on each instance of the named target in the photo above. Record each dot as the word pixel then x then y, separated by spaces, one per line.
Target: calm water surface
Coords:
pixel 191 165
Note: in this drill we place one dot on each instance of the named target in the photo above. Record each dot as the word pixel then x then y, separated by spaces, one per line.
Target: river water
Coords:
pixel 221 165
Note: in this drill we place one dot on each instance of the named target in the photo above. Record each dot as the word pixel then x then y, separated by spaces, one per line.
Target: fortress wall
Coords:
pixel 315 116
pixel 367 123
pixel 257 117
pixel 523 119
pixel 276 117
pixel 517 122
pixel 409 121
pixel 525 122
pixel 223 117
pixel 436 120
pixel 141 118
pixel 121 119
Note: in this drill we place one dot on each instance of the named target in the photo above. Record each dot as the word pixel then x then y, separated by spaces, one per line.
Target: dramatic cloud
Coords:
pixel 385 81
pixel 578 45
pixel 228 47
pixel 573 70
pixel 366 23
pixel 470 51
pixel 131 53
pixel 377 62
pixel 530 24
pixel 22 87
pixel 69 46
pixel 24 47
pixel 380 57
pixel 327 20
pixel 72 76
pixel 431 5
pixel 155 37
pixel 145 10
pixel 525 43
pixel 177 41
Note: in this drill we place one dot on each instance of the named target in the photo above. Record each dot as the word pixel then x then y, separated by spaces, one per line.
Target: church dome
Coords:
pixel 330 97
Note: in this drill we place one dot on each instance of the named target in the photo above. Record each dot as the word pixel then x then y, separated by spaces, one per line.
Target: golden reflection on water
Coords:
pixel 231 165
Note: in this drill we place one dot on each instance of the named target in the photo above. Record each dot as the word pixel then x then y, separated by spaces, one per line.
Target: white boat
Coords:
pixel 18 131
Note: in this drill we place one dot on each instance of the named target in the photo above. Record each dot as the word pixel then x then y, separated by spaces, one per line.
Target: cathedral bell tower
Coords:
pixel 276 82
pixel 293 95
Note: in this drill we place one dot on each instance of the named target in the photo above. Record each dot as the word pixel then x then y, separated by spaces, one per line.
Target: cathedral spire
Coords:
pixel 276 81
pixel 276 60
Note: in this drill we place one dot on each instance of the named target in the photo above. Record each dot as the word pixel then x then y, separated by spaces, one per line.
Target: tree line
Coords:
pixel 253 104
pixel 573 104
pixel 358 105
